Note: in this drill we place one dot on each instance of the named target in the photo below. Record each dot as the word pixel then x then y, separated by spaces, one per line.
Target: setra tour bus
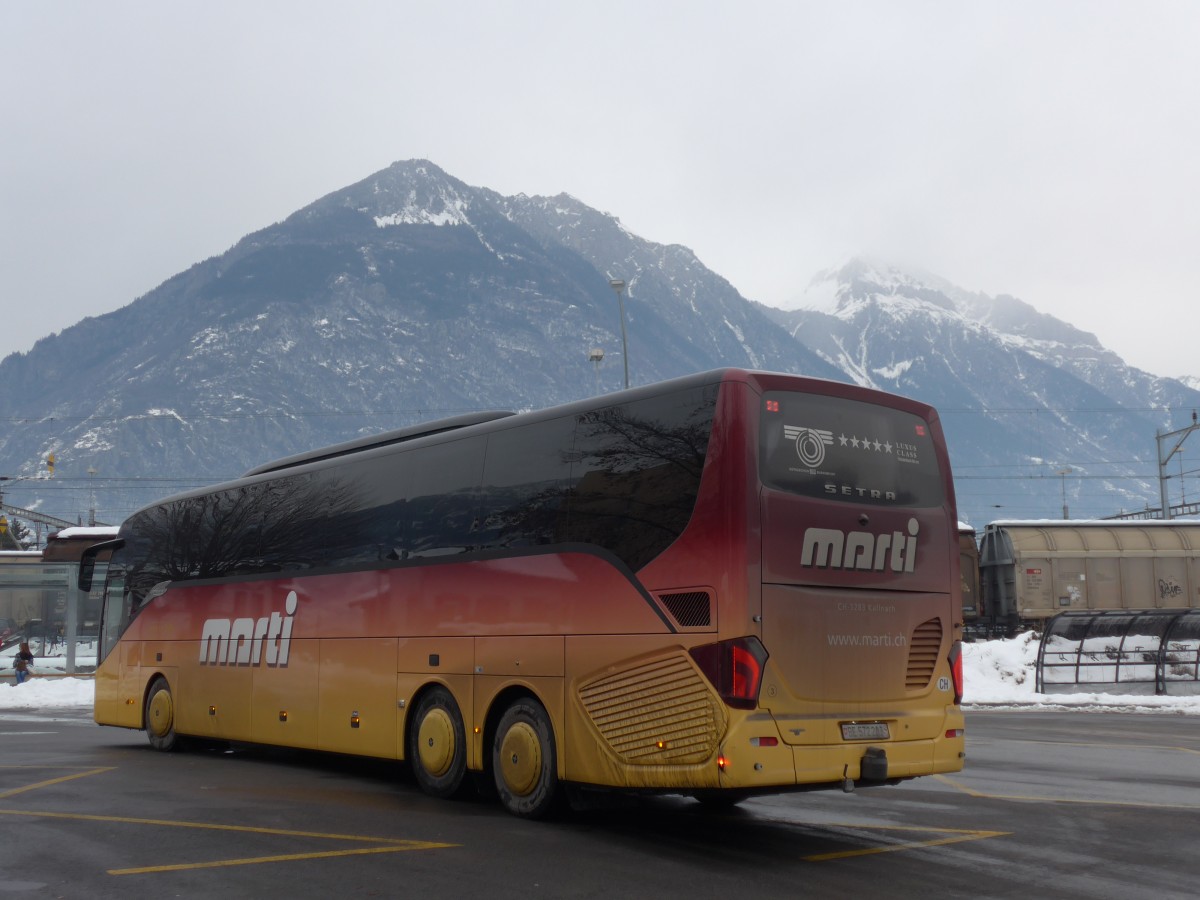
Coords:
pixel 725 584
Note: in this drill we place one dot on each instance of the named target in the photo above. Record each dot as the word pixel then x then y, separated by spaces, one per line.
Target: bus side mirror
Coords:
pixel 87 561
pixel 87 569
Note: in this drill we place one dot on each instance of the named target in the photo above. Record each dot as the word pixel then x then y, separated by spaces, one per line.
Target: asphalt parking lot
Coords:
pixel 1052 804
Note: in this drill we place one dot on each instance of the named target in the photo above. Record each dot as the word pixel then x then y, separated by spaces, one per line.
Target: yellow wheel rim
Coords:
pixel 162 714
pixel 436 742
pixel 521 759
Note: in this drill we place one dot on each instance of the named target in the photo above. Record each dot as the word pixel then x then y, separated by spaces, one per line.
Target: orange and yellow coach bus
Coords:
pixel 721 585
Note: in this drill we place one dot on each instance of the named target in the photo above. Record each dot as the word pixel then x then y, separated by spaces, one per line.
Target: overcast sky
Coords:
pixel 1048 150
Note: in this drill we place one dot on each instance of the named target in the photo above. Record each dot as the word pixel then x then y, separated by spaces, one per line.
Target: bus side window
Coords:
pixel 525 483
pixel 638 474
pixel 444 502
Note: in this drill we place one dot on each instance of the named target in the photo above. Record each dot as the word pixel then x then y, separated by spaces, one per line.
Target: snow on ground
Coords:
pixel 44 693
pixel 998 674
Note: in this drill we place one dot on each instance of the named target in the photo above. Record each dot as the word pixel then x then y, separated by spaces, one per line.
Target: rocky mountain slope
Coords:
pixel 411 295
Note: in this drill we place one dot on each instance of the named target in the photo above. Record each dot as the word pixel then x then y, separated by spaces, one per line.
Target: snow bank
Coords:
pixel 44 693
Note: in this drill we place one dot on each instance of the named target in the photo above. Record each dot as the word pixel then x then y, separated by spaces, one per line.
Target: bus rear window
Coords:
pixel 846 450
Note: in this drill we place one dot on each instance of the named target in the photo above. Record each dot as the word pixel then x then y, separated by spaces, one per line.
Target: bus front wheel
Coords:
pixel 160 717
pixel 437 744
pixel 524 760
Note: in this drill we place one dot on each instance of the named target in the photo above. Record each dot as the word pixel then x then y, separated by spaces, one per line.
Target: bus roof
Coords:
pixel 762 379
pixel 380 440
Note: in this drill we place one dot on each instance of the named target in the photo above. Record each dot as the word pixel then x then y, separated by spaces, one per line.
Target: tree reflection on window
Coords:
pixel 639 472
pixel 267 526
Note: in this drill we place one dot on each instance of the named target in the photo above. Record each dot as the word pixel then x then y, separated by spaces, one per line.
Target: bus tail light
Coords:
pixel 956 671
pixel 735 668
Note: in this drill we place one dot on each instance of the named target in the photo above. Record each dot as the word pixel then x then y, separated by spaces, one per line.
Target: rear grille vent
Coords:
pixel 923 654
pixel 691 610
pixel 656 712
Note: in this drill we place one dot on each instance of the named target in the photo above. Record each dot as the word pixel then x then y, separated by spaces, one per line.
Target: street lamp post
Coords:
pixel 618 285
pixel 1062 474
pixel 596 356
pixel 91 470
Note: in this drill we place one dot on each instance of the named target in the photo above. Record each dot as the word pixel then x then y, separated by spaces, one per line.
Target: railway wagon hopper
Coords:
pixel 1033 570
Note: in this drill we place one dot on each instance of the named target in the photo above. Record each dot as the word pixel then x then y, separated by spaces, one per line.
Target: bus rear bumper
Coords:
pixel 763 767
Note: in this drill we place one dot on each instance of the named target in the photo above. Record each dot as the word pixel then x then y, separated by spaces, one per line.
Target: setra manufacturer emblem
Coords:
pixel 810 443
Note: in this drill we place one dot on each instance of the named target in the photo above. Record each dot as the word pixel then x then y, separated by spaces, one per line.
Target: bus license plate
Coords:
pixel 865 731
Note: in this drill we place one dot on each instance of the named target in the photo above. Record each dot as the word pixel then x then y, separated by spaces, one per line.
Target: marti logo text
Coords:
pixel 241 642
pixel 862 550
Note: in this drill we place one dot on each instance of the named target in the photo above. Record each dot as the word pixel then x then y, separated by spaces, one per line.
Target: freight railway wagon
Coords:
pixel 1032 570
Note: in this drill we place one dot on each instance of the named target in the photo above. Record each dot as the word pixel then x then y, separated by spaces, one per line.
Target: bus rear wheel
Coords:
pixel 437 744
pixel 160 717
pixel 524 760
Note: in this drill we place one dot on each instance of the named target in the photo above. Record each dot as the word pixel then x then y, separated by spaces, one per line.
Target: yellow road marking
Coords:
pixel 956 838
pixel 984 795
pixel 213 826
pixel 389 845
pixel 290 857
pixel 41 784
pixel 397 845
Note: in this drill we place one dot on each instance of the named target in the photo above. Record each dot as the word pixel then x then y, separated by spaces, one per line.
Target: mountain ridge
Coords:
pixel 410 294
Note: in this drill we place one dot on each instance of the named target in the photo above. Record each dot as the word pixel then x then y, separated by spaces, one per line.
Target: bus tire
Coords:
pixel 160 717
pixel 437 745
pixel 525 762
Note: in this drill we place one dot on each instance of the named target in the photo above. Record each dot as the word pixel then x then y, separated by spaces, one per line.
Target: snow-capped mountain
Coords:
pixel 1023 396
pixel 410 296
pixel 405 297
